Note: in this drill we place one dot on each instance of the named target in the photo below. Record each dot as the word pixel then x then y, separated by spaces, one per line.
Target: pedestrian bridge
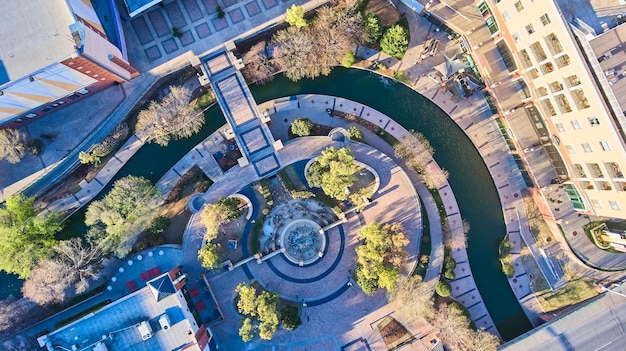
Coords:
pixel 220 69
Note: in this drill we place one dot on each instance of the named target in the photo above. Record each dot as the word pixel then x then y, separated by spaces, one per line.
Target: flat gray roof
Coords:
pixel 35 34
pixel 597 325
pixel 609 49
pixel 116 325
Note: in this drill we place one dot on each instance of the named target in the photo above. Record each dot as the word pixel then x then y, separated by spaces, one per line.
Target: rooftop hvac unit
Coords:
pixel 164 321
pixel 100 346
pixel 145 330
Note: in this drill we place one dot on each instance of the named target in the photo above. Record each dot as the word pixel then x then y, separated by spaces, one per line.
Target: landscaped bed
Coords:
pixel 393 332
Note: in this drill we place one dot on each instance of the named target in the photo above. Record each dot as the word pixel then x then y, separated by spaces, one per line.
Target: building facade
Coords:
pixel 61 56
pixel 560 63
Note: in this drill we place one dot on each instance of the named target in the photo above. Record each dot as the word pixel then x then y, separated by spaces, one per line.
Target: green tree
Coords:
pixel 248 330
pixel 210 256
pixel 373 28
pixel 508 269
pixel 12 145
pixel 268 314
pixel 260 311
pixel 247 299
pixel 123 213
pixel 395 41
pixel 333 171
pixel 171 119
pixel 159 224
pixel 290 317
pixel 221 212
pixel 26 239
pixel 443 289
pixel 348 59
pixel 302 126
pixel 354 133
pixel 295 16
pixel 88 158
pixel 449 274
pixel 380 256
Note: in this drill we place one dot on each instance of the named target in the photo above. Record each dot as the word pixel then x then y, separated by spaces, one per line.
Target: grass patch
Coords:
pixel 577 290
pixel 255 234
pixel 439 203
pixel 388 138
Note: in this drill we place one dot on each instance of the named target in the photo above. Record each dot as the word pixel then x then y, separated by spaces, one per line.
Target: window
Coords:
pixel 604 185
pixel 547 67
pixel 554 45
pixel 615 169
pixel 572 81
pixel 620 186
pixel 518 6
pixel 563 103
pixel 579 171
pixel 587 147
pixel 506 15
pixel 525 58
pixel 575 124
pixel 586 185
pixel 516 37
pixel 538 51
pixel 615 205
pixel 596 203
pixel 605 146
pixel 530 29
pixel 545 19
pixel 548 108
pixel 83 91
pixel 533 73
pixel 542 91
pixel 593 121
pixel 562 61
pixel 580 99
pixel 570 149
pixel 31 115
pixel 556 86
pixel 559 127
pixel 596 171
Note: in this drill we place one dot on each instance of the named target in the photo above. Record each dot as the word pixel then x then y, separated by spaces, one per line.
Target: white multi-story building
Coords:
pixel 577 79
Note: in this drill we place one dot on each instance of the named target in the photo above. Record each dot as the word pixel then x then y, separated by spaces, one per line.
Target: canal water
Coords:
pixel 475 191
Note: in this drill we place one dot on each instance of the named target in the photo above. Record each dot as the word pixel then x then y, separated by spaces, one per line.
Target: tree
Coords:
pixel 348 59
pixel 483 340
pixel 415 150
pixel 47 283
pixel 373 28
pixel 508 269
pixel 221 212
pixel 159 224
pixel 333 171
pixel 88 158
pixel 210 255
pixel 123 213
pixel 452 326
pixel 259 67
pixel 395 41
pixel 13 316
pixel 381 255
pixel 456 240
pixel 82 261
pixel 295 53
pixel 290 317
pixel 172 118
pixel 25 238
pixel 260 311
pixel 295 16
pixel 302 126
pixel 12 145
pixel 354 133
pixel 443 289
pixel 413 293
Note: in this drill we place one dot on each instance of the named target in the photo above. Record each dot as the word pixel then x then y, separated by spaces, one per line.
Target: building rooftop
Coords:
pixel 610 51
pixel 120 325
pixel 35 34
pixel 601 15
pixel 597 325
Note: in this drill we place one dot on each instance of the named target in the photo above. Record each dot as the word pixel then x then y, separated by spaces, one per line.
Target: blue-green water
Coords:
pixel 475 191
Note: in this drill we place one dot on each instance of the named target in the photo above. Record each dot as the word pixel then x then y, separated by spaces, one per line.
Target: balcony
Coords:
pixel 554 45
pixel 579 171
pixel 604 185
pixel 580 99
pixel 572 81
pixel 615 170
pixel 586 185
pixel 620 186
pixel 595 170
pixel 548 108
pixel 538 51
pixel 564 105
pixel 547 67
pixel 562 61
pixel 542 91
pixel 556 86
pixel 525 59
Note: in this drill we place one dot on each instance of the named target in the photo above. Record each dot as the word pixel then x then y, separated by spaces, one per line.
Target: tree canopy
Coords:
pixel 12 145
pixel 380 256
pixel 334 171
pixel 210 256
pixel 221 212
pixel 373 28
pixel 123 213
pixel 295 16
pixel 395 41
pixel 302 126
pixel 25 238
pixel 260 311
pixel 172 118
pixel 258 66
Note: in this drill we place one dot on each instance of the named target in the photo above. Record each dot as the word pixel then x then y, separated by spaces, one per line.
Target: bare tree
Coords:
pixel 259 67
pixel 455 239
pixel 294 51
pixel 452 327
pixel 83 261
pixel 172 118
pixel 12 145
pixel 412 293
pixel 13 314
pixel 48 283
pixel 482 340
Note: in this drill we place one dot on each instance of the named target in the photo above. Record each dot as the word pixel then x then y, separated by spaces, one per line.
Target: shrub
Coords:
pixel 302 194
pixel 354 133
pixel 159 224
pixel 220 12
pixel 35 147
pixel 449 274
pixel 87 158
pixel 290 317
pixel 176 33
pixel 508 269
pixel 302 126
pixel 348 59
pixel 205 100
pixel 443 289
pixel 395 41
pixel 449 263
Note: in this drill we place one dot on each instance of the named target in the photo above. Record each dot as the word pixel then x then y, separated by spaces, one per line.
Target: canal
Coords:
pixel 469 178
